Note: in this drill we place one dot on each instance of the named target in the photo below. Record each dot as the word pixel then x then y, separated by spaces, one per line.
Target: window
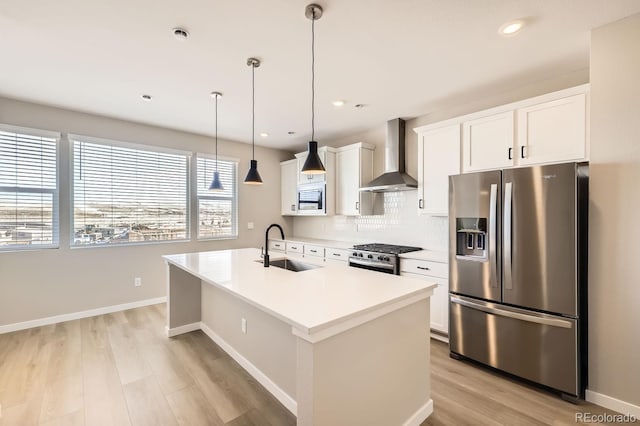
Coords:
pixel 28 189
pixel 125 194
pixel 217 210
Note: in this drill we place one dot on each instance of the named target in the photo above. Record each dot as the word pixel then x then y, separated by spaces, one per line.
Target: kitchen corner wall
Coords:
pixel 614 287
pixel 42 283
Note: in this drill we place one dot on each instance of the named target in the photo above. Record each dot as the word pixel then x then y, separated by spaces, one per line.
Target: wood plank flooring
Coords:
pixel 120 369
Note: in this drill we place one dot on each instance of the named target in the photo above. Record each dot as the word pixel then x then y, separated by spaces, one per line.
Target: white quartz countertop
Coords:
pixel 431 255
pixel 310 300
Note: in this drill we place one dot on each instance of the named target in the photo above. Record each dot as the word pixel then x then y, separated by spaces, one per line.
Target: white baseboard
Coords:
pixel 182 329
pixel 78 315
pixel 611 403
pixel 262 378
pixel 421 415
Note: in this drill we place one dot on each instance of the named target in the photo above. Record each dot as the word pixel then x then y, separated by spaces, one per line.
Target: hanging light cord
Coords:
pixel 253 111
pixel 216 132
pixel 313 75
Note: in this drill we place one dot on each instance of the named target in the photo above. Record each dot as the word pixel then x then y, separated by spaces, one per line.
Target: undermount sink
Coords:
pixel 291 265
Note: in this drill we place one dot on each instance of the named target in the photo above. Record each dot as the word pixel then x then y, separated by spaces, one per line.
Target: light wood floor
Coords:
pixel 120 369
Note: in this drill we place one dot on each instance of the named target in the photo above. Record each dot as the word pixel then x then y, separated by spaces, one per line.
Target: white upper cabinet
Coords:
pixel 354 168
pixel 488 142
pixel 289 187
pixel 551 128
pixel 438 157
pixel 553 131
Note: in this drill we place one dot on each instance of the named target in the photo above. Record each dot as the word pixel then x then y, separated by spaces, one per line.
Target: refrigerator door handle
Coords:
pixel 529 317
pixel 506 233
pixel 493 200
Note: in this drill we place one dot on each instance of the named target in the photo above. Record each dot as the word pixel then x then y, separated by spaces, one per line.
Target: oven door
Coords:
pixel 358 262
pixel 311 199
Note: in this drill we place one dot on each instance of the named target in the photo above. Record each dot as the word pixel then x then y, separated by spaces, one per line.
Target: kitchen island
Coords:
pixel 336 345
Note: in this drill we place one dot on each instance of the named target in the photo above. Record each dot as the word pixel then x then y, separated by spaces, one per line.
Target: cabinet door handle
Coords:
pixel 294 248
pixel 421 203
pixel 510 153
pixel 357 205
pixel 424 268
pixel 337 254
pixel 522 151
pixel 313 251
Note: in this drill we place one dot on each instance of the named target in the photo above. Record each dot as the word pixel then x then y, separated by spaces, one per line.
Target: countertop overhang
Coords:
pixel 317 303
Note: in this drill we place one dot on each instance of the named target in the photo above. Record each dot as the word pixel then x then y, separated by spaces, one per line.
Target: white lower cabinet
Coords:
pixel 278 245
pixel 313 250
pixel 436 272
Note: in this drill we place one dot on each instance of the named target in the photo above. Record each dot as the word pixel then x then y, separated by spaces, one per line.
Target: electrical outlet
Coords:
pixel 137 282
pixel 250 225
pixel 244 325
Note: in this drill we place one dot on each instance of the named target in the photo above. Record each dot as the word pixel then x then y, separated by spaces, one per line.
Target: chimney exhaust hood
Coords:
pixel 394 177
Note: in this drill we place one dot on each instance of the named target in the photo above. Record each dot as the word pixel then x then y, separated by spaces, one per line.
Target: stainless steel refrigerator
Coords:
pixel 518 272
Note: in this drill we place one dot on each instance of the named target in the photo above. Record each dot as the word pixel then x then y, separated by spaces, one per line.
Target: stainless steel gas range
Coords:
pixel 379 257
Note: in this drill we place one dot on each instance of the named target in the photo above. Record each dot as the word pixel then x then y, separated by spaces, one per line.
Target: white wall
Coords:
pixel 43 283
pixel 614 286
pixel 400 223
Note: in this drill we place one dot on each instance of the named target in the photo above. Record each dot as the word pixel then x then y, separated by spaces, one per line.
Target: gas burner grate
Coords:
pixel 385 248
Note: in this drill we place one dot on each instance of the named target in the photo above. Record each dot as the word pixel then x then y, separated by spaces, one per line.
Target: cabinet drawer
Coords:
pixel 337 254
pixel 311 250
pixel 424 267
pixel 293 247
pixel 277 246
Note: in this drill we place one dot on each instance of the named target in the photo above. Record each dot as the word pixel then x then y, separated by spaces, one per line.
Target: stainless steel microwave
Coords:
pixel 311 198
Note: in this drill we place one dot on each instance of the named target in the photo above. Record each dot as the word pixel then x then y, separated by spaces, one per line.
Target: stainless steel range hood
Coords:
pixel 394 177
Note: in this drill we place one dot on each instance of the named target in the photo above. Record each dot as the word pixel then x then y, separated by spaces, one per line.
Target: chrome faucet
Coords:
pixel 266 242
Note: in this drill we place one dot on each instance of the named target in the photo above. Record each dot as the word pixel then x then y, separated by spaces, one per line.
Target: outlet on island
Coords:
pixel 137 282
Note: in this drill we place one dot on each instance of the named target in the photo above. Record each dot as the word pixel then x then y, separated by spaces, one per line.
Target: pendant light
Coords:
pixel 216 185
pixel 253 177
pixel 313 164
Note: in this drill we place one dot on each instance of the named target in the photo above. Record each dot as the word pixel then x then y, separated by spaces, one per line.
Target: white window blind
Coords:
pixel 124 195
pixel 28 190
pixel 217 210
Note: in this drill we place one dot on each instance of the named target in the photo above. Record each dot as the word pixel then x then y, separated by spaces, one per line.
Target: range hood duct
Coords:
pixel 394 177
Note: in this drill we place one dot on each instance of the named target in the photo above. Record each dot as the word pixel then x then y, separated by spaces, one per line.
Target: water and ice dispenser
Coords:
pixel 471 237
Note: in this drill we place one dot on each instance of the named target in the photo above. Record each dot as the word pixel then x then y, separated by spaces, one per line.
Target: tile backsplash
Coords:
pixel 400 224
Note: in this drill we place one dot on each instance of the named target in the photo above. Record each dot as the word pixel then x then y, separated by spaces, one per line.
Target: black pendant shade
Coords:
pixel 216 185
pixel 313 163
pixel 253 176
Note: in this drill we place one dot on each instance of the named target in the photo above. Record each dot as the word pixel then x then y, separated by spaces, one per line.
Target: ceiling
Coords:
pixel 398 58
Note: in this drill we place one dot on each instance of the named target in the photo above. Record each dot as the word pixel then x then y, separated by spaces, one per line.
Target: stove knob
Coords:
pixel 387 258
pixel 370 256
pixel 360 254
pixel 380 257
pixel 355 253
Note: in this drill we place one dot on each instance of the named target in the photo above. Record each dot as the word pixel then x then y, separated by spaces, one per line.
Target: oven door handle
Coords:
pixel 375 265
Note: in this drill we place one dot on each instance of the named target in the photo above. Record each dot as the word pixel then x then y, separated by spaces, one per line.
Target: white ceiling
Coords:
pixel 398 58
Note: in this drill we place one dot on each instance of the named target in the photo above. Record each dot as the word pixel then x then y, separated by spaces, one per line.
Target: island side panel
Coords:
pixel 267 350
pixel 183 301
pixel 375 374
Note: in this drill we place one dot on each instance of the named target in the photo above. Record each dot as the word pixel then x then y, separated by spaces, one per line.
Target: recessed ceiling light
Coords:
pixel 338 103
pixel 511 27
pixel 180 33
pixel 147 98
pixel 264 135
